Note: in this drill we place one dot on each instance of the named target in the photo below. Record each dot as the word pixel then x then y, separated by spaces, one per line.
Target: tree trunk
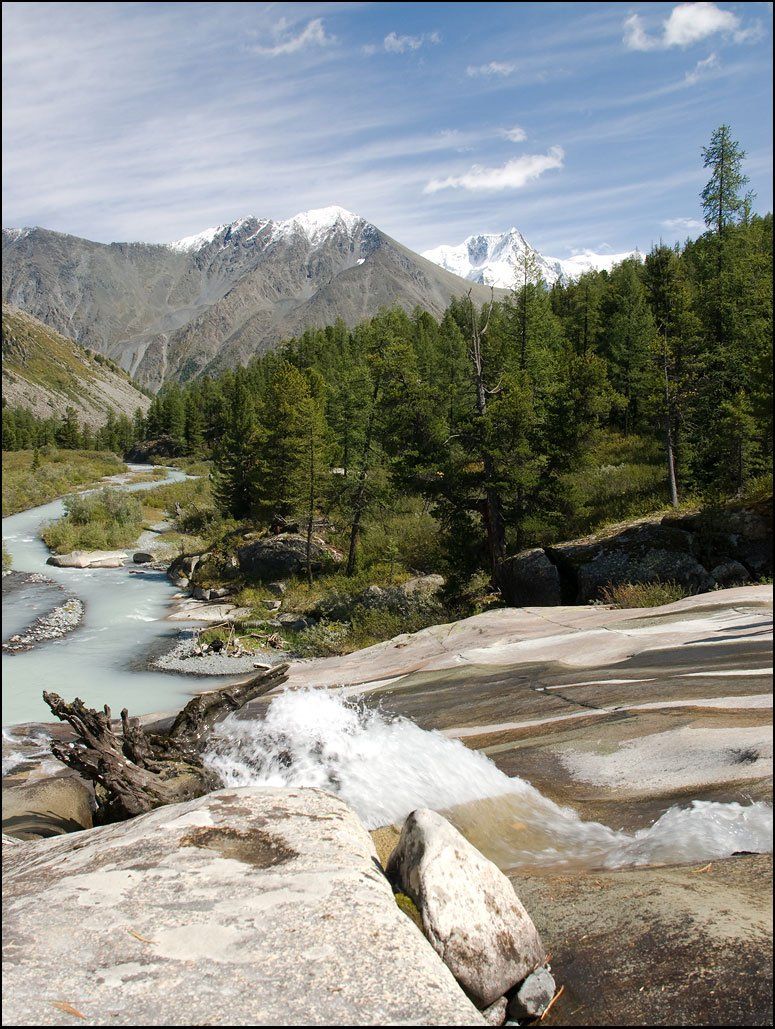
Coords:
pixel 359 502
pixel 137 771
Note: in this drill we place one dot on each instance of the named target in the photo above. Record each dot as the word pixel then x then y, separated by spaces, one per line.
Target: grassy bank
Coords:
pixel 29 481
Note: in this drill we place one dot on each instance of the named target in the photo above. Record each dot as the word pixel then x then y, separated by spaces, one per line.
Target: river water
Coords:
pixel 384 767
pixel 103 660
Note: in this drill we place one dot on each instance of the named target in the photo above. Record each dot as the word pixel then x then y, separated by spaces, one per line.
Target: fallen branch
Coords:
pixel 552 1002
pixel 134 770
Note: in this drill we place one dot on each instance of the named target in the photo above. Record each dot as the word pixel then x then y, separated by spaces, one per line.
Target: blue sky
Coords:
pixel 581 124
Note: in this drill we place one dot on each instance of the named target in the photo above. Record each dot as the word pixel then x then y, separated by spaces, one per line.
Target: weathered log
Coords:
pixel 134 770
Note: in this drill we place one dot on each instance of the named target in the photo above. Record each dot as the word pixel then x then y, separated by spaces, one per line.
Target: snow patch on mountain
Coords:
pixel 315 225
pixel 497 259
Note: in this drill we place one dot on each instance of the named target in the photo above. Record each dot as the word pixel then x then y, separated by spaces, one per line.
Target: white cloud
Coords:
pixel 685 25
pixel 501 68
pixel 313 34
pixel 512 175
pixel 514 135
pixel 701 69
pixel 674 224
pixel 395 44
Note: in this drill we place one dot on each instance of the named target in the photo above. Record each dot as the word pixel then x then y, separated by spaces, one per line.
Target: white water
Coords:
pixel 386 767
pixel 125 608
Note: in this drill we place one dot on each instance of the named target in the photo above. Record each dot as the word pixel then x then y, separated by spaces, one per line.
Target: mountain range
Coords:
pixel 215 299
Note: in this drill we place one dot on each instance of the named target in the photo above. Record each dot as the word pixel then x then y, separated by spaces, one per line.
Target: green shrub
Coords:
pixel 96 521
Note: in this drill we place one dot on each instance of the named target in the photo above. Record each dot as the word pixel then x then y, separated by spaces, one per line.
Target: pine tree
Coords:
pixel 234 458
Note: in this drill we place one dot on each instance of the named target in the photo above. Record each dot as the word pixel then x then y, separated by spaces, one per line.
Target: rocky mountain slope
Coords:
pixel 497 259
pixel 46 373
pixel 213 300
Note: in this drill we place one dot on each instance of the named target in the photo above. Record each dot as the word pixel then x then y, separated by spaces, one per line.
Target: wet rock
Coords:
pixel 731 573
pixel 260 906
pixel 469 910
pixel 47 807
pixel 88 559
pixel 495 1014
pixel 530 579
pixel 142 557
pixel 276 557
pixel 533 996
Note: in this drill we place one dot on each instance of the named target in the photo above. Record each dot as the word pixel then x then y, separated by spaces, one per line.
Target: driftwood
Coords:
pixel 136 770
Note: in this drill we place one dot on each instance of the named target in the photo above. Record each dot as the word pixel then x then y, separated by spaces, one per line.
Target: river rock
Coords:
pixel 469 909
pixel 530 579
pixel 495 1014
pixel 277 557
pixel 249 906
pixel 88 559
pixel 47 807
pixel 142 557
pixel 533 996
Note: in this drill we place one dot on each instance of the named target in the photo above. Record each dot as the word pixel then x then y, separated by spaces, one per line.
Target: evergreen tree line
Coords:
pixel 483 413
pixel 22 430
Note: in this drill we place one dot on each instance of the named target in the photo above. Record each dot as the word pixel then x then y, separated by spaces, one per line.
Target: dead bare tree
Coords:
pixel 135 770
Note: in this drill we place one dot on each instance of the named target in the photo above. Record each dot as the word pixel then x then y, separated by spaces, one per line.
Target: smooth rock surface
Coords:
pixel 47 807
pixel 246 907
pixel 470 912
pixel 88 559
pixel 142 557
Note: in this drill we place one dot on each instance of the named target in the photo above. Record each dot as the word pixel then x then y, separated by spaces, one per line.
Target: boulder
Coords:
pixel 277 589
pixel 142 557
pixel 470 912
pixel 731 573
pixel 294 622
pixel 88 559
pixel 249 906
pixel 47 807
pixel 276 557
pixel 533 996
pixel 530 579
pixel 182 568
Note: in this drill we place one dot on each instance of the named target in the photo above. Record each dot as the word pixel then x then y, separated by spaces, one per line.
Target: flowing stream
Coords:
pixel 386 767
pixel 383 766
pixel 103 660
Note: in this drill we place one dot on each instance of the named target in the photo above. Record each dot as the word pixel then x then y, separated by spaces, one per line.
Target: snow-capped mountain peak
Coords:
pixel 317 224
pixel 497 259
pixel 313 226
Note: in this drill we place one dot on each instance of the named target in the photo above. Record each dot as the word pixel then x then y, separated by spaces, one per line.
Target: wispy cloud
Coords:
pixel 674 224
pixel 313 34
pixel 513 174
pixel 702 69
pixel 514 135
pixel 395 44
pixel 687 24
pixel 491 69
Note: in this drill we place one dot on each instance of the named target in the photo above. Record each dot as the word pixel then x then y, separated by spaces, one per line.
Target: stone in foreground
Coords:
pixel 534 995
pixel 469 910
pixel 246 907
